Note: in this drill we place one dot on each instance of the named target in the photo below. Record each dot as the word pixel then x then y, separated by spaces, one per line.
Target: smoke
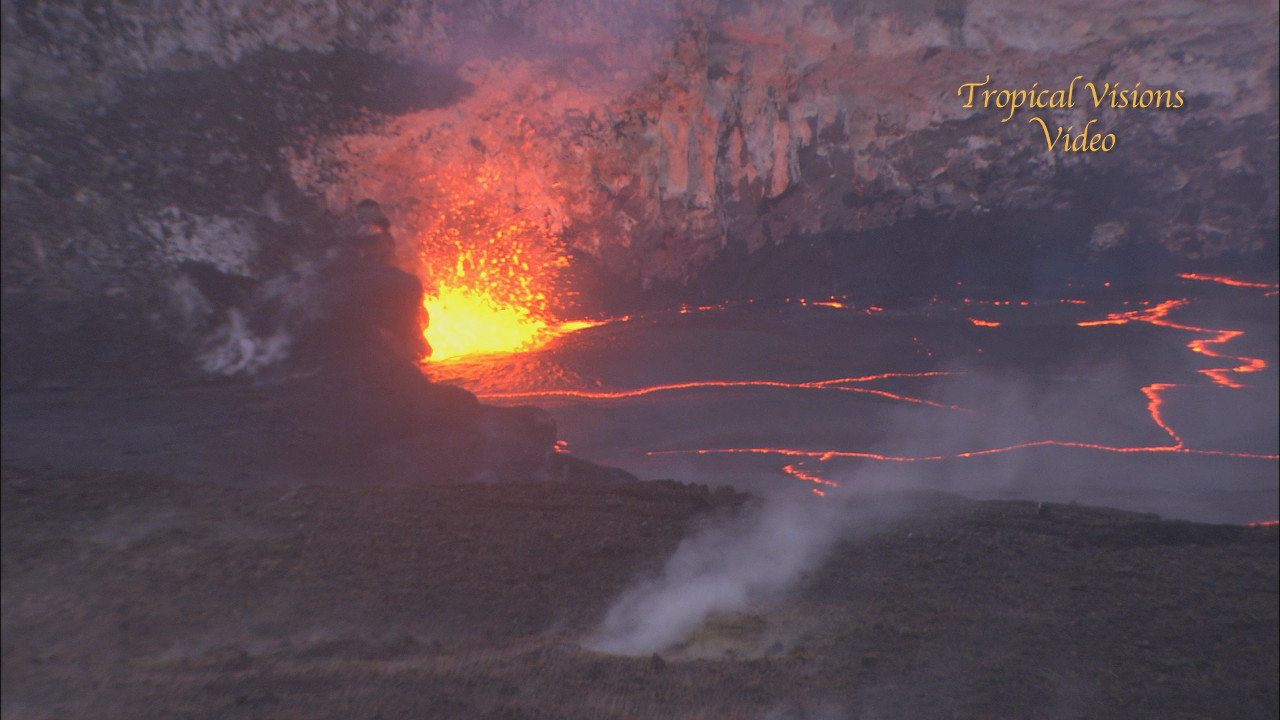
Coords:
pixel 234 348
pixel 238 325
pixel 729 567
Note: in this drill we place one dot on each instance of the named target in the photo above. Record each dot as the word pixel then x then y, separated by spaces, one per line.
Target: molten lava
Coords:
pixel 1155 315
pixel 808 464
pixel 467 320
pixel 837 384
pixel 491 267
pixel 1232 282
pixel 794 470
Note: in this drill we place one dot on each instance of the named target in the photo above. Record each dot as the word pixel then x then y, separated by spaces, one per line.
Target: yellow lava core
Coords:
pixel 490 265
pixel 466 321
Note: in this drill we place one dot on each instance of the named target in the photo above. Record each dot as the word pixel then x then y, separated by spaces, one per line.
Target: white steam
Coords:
pixel 255 334
pixel 234 348
pixel 723 569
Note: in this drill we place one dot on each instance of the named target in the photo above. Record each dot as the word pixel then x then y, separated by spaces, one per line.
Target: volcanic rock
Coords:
pixel 728 138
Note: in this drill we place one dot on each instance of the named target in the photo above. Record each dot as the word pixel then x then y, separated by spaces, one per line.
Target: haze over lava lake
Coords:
pixel 1106 399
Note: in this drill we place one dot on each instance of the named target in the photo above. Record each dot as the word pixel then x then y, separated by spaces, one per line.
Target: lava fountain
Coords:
pixel 491 269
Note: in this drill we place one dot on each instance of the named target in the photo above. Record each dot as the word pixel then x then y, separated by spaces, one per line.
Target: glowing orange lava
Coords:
pixel 838 384
pixel 823 455
pixel 490 266
pixel 1228 281
pixel 795 471
pixel 1155 315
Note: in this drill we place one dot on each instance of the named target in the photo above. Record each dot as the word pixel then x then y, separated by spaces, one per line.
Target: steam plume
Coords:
pixel 725 568
pixel 235 348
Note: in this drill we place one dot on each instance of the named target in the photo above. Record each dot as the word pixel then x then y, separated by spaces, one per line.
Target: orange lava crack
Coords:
pixel 1156 315
pixel 836 384
pixel 823 455
pixel 1222 280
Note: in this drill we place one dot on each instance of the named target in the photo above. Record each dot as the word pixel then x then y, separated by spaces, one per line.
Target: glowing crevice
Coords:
pixel 1232 282
pixel 824 455
pixel 812 476
pixel 837 384
pixel 1155 315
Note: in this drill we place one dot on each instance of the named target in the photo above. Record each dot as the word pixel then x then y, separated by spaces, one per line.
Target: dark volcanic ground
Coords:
pixel 132 595
pixel 299 577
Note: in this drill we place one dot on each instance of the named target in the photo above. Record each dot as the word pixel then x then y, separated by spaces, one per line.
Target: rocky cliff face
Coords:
pixel 757 123
pixel 650 140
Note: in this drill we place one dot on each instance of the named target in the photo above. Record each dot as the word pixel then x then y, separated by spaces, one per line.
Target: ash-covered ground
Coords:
pixel 131 595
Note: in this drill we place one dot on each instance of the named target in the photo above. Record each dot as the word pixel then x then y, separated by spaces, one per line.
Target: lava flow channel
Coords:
pixel 1232 282
pixel 837 384
pixel 1158 316
pixel 794 470
pixel 1155 393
